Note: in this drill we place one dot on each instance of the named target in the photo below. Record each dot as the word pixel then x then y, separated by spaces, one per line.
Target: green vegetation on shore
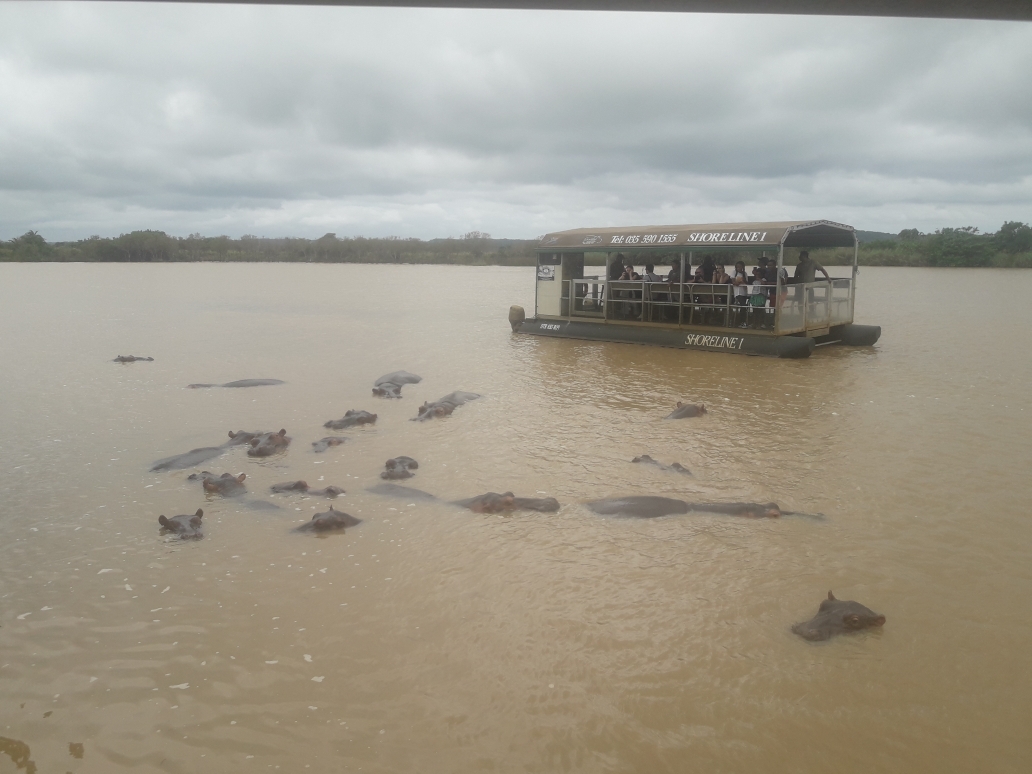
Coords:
pixel 1011 246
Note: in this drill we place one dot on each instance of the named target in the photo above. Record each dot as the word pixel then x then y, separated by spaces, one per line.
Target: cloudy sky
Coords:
pixel 362 121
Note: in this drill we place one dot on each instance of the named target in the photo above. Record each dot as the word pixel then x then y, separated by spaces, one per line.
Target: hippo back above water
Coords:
pixel 444 406
pixel 351 418
pixel 240 383
pixel 389 385
pixel 685 410
pixel 329 521
pixel 132 359
pixel 834 617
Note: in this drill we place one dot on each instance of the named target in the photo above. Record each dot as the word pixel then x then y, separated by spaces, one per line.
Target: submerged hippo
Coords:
pixel 226 485
pixel 650 507
pixel 290 486
pixel 389 385
pixel 239 383
pixel 837 617
pixel 325 443
pixel 677 467
pixel 197 456
pixel 131 359
pixel 267 444
pixel 444 406
pixel 329 521
pixel 397 490
pixel 685 410
pixel 492 502
pixel 351 418
pixel 185 526
pixel 302 486
pixel 399 467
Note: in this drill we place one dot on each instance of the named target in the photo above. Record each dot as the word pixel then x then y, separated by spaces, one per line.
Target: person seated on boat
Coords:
pixel 807 268
pixel 630 274
pixel 674 275
pixel 650 273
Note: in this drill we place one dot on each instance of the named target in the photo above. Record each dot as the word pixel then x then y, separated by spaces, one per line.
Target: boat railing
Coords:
pixel 798 307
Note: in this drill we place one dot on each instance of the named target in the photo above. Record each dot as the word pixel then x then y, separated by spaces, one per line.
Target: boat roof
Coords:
pixel 808 233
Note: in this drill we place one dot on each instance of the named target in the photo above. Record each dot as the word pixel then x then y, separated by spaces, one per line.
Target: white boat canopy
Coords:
pixel 813 233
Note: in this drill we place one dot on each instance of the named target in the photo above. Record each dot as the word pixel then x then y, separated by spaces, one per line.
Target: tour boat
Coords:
pixel 780 316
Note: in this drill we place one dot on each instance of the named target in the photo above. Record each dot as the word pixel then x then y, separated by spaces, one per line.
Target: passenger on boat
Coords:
pixel 650 273
pixel 740 283
pixel 807 268
pixel 707 268
pixel 674 276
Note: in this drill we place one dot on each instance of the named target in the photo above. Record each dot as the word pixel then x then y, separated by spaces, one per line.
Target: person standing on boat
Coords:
pixel 807 268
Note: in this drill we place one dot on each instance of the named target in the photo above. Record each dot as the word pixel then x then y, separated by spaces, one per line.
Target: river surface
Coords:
pixel 432 639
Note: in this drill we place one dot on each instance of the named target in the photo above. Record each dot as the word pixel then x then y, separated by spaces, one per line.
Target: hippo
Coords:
pixel 328 521
pixel 185 526
pixel 190 459
pixel 226 485
pixel 302 486
pixel 329 491
pixel 837 617
pixel 132 359
pixel 399 467
pixel 650 507
pixel 397 490
pixel 492 502
pixel 677 467
pixel 389 385
pixel 267 444
pixel 351 418
pixel 290 486
pixel 239 383
pixel 644 507
pixel 195 457
pixel 240 438
pixel 444 406
pixel 685 410
pixel 325 443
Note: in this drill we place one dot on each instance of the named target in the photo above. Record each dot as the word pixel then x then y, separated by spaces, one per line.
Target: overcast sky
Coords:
pixel 361 121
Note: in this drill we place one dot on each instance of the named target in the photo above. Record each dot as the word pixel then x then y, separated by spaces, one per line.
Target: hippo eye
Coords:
pixel 852 621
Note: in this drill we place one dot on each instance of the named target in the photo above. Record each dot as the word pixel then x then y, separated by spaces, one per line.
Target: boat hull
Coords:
pixel 737 342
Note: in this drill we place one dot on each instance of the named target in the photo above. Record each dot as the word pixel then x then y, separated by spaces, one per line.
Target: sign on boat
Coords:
pixel 770 313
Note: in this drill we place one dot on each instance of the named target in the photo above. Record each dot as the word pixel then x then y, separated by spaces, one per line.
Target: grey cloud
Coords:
pixel 427 123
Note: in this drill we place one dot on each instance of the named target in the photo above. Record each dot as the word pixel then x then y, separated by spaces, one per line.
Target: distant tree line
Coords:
pixel 474 248
pixel 1011 246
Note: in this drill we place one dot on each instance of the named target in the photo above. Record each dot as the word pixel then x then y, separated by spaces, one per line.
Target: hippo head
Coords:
pixel 184 526
pixel 224 484
pixel 268 443
pixel 837 616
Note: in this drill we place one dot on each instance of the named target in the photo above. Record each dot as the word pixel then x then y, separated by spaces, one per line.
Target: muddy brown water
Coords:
pixel 432 639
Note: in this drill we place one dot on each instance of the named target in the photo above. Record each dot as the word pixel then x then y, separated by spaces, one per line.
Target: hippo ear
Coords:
pixel 241 477
pixel 162 521
pixel 282 431
pixel 232 434
pixel 199 513
pixel 254 442
pixel 679 404
pixel 831 596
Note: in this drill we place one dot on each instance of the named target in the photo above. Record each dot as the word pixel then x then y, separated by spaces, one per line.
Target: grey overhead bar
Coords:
pixel 1002 10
